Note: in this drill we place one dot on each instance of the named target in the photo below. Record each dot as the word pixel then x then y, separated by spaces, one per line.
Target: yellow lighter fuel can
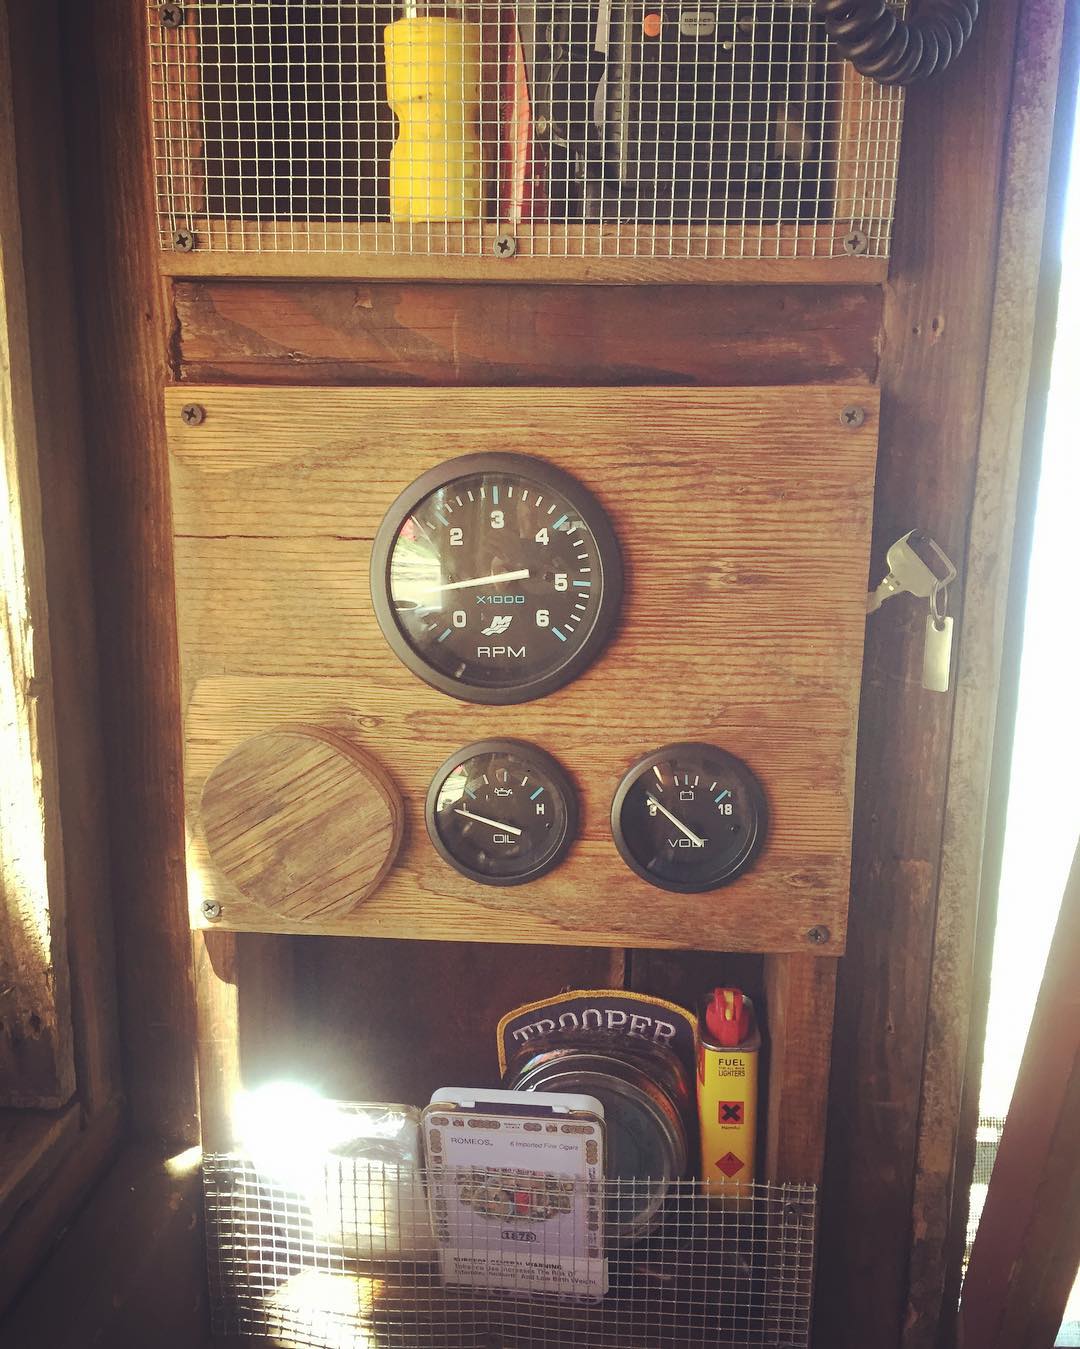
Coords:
pixel 729 1049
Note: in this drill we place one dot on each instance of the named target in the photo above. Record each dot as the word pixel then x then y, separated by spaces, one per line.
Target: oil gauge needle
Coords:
pixel 694 839
pixel 510 829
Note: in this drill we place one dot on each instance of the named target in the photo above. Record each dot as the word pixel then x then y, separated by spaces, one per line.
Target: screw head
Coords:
pixel 193 414
pixel 184 240
pixel 211 908
pixel 818 935
pixel 505 246
pixel 855 241
pixel 172 16
pixel 852 417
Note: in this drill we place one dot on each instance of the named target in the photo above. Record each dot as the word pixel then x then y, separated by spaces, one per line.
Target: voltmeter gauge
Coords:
pixel 496 578
pixel 501 812
pixel 689 817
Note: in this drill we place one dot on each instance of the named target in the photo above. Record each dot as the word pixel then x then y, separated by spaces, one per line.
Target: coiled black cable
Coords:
pixel 891 49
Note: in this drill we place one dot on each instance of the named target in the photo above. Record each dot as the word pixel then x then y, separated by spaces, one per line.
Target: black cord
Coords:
pixel 891 49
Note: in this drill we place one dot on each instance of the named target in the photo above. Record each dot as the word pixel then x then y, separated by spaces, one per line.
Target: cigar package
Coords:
pixel 515 1187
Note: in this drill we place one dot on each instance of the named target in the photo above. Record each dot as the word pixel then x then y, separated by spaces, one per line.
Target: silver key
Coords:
pixel 937 650
pixel 909 573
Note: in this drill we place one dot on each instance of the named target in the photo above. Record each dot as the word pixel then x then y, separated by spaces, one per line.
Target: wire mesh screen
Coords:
pixel 363 1254
pixel 553 128
pixel 987 1140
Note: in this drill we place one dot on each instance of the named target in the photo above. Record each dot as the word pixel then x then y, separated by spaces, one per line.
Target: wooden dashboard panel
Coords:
pixel 744 519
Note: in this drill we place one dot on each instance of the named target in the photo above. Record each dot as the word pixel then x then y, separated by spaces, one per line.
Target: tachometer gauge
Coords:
pixel 496 578
pixel 501 812
pixel 689 817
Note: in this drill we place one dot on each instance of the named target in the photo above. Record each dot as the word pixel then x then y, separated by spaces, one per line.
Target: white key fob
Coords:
pixel 937 653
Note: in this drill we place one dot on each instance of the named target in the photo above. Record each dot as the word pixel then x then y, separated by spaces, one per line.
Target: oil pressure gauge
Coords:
pixel 501 812
pixel 689 817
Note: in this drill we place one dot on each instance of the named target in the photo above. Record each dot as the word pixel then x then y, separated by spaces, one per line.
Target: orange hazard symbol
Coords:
pixel 730 1164
pixel 730 1112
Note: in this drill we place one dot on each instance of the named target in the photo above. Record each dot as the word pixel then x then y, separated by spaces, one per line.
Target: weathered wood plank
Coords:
pixel 129 1272
pixel 396 1020
pixel 48 1158
pixel 35 1226
pixel 937 322
pixel 272 1045
pixel 123 336
pixel 1040 376
pixel 1024 1260
pixel 32 1144
pixel 336 333
pixel 589 898
pixel 799 997
pixel 57 393
pixel 36 1046
pixel 217 995
pixel 364 1020
pixel 941 1187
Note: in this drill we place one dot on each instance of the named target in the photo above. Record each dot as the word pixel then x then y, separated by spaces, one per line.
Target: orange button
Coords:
pixel 651 24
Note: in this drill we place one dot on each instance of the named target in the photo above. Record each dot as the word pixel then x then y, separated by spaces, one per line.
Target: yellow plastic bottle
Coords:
pixel 433 72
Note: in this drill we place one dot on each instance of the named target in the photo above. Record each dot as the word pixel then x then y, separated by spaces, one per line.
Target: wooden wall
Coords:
pixel 331 1011
pixel 924 337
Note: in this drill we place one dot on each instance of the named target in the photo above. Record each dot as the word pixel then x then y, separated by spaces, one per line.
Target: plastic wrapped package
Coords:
pixel 371 1200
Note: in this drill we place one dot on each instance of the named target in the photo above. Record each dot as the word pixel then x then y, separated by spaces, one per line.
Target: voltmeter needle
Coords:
pixel 694 839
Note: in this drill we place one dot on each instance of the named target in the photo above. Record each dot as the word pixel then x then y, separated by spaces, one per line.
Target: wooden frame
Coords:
pixel 1024 1261
pixel 799 992
pixel 37 1066
pixel 1035 160
pixel 570 254
pixel 68 1058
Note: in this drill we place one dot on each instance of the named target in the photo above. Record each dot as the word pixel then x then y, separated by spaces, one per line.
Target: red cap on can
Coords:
pixel 727 1017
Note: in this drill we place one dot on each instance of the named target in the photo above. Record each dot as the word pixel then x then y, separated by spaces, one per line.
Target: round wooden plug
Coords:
pixel 302 822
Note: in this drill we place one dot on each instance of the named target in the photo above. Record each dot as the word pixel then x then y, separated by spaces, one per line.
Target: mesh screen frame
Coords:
pixel 735 1270
pixel 272 135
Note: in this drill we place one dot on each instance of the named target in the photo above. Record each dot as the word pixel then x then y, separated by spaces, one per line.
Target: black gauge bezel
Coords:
pixel 609 561
pixel 755 794
pixel 530 756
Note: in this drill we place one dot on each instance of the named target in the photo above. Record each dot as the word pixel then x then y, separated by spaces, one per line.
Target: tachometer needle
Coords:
pixel 480 581
pixel 694 839
pixel 495 824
